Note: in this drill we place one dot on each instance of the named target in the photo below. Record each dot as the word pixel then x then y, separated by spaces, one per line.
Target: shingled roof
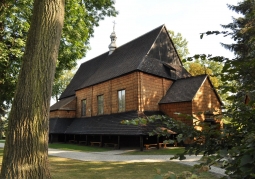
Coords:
pixel 59 125
pixel 183 90
pixel 103 125
pixel 146 53
pixel 63 104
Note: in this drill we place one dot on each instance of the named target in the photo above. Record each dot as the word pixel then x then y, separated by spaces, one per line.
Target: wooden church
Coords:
pixel 143 77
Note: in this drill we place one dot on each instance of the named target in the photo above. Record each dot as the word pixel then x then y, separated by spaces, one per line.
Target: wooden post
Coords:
pixel 87 142
pixel 65 138
pixel 51 138
pixel 118 142
pixel 157 142
pixel 141 143
pixel 101 140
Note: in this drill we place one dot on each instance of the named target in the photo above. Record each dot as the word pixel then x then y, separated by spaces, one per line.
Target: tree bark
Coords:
pixel 26 146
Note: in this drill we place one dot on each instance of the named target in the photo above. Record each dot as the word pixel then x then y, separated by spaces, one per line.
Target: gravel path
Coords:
pixel 115 156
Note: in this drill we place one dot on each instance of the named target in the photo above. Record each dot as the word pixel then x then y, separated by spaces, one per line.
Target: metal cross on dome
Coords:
pixel 114 25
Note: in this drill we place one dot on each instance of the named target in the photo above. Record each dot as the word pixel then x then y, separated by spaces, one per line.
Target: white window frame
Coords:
pixel 122 100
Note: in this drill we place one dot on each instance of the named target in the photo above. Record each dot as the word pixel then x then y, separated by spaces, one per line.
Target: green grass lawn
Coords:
pixel 80 148
pixel 154 151
pixel 74 169
pixel 62 168
pixel 83 148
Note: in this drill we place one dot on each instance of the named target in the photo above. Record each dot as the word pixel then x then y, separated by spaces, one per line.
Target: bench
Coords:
pixel 111 144
pixel 92 143
pixel 82 141
pixel 147 146
pixel 162 145
pixel 72 141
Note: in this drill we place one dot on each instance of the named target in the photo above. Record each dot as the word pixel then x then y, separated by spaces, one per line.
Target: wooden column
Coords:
pixel 101 140
pixel 157 142
pixel 141 143
pixel 118 142
pixel 87 142
pixel 51 138
pixel 65 138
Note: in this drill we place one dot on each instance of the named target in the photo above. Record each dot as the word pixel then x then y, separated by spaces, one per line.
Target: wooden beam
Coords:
pixel 157 142
pixel 141 143
pixel 118 142
pixel 51 138
pixel 101 140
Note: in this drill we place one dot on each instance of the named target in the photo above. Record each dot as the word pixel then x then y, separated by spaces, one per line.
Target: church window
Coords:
pixel 121 100
pixel 83 107
pixel 100 104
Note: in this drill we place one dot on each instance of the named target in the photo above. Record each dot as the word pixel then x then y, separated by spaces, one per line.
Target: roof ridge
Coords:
pixel 206 76
pixel 192 77
pixel 126 43
pixel 156 38
pixel 94 58
pixel 143 35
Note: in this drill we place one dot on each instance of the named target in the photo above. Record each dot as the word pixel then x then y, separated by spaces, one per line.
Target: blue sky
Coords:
pixel 189 17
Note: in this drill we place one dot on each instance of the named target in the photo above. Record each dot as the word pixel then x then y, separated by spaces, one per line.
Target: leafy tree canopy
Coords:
pixel 180 43
pixel 61 83
pixel 80 19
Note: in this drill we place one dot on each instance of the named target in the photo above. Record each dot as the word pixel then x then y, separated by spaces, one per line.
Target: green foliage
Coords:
pixel 80 19
pixel 61 83
pixel 236 141
pixel 180 43
pixel 14 25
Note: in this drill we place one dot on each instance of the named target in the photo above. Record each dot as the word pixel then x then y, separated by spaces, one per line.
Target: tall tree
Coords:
pixel 28 120
pixel 180 43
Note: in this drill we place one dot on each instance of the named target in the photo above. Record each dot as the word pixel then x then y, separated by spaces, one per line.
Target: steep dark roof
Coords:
pixel 59 125
pixel 61 105
pixel 103 125
pixel 183 90
pixel 138 54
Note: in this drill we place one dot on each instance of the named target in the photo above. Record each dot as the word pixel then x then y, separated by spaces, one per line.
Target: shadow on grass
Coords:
pixel 72 169
pixel 63 168
pixel 154 151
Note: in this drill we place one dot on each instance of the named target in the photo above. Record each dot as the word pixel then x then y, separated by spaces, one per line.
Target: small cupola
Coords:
pixel 113 37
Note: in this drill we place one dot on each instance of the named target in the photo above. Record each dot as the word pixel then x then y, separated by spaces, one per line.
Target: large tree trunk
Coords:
pixel 26 147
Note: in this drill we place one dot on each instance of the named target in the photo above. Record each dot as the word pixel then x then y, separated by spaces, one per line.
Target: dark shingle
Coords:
pixel 183 89
pixel 102 125
pixel 59 125
pixel 85 71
